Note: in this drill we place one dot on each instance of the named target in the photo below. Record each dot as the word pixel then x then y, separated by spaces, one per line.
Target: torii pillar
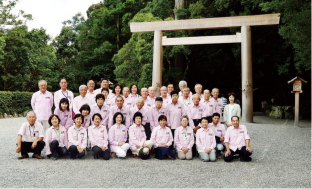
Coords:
pixel 243 22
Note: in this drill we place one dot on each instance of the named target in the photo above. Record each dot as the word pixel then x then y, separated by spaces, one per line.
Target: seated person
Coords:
pixel 184 140
pixel 77 138
pixel 137 138
pixel 237 142
pixel 117 137
pixel 56 138
pixel 206 142
pixel 219 131
pixel 162 139
pixel 98 137
pixel 30 138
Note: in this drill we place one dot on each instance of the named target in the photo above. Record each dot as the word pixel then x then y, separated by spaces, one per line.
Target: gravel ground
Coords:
pixel 281 158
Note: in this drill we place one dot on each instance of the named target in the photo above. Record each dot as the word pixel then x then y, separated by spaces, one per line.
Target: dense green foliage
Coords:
pixel 103 46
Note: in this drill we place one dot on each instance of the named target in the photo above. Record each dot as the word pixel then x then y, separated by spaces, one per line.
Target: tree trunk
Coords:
pixel 177 4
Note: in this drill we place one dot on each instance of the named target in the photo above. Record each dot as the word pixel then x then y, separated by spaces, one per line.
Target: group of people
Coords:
pixel 114 123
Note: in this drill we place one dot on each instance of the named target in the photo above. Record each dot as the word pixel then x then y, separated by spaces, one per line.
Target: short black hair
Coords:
pixel 62 78
pixel 105 89
pixel 170 84
pixel 231 94
pixel 96 114
pixel 137 114
pixel 132 86
pixel 234 116
pixel 99 96
pixel 50 118
pixel 79 115
pixel 204 118
pixel 162 117
pixel 216 114
pixel 115 115
pixel 85 107
pixel 174 92
pixel 103 79
pixel 159 99
pixel 118 97
pixel 64 100
pixel 115 86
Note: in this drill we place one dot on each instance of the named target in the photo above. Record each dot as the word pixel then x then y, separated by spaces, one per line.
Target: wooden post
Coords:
pixel 247 88
pixel 297 109
pixel 157 62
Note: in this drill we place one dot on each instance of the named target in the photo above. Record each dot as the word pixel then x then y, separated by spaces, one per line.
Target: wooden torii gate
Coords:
pixel 244 22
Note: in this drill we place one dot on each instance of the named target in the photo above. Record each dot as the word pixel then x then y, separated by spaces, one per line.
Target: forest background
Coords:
pixel 102 45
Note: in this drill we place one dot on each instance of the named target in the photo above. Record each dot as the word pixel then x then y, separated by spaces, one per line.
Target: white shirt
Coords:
pixel 230 112
pixel 186 102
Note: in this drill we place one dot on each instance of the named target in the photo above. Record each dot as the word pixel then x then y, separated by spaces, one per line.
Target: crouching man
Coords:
pixel 237 142
pixel 30 138
pixel 139 146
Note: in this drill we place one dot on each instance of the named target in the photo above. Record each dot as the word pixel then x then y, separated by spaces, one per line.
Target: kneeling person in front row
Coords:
pixel 117 137
pixel 162 139
pixel 56 138
pixel 77 138
pixel 99 138
pixel 139 146
pixel 219 131
pixel 30 138
pixel 237 142
pixel 184 140
pixel 206 142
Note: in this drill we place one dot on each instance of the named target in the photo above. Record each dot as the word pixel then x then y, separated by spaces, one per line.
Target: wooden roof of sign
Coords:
pixel 297 78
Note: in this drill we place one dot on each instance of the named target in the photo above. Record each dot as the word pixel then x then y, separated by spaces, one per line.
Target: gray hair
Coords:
pixel 163 87
pixel 215 89
pixel 196 95
pixel 199 85
pixel 31 112
pixel 182 82
pixel 206 90
pixel 138 99
pixel 185 116
pixel 125 88
pixel 81 86
pixel 42 81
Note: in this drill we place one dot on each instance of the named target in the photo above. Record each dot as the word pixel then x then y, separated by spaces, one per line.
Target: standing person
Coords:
pixel 156 110
pixel 30 138
pixel 175 112
pixel 196 112
pixel 170 89
pixel 184 140
pixel 124 110
pixel 151 94
pixel 139 146
pixel 118 137
pixel 81 99
pixel 104 84
pixel 206 142
pixel 215 105
pixel 63 93
pixel 204 101
pixel 100 108
pixel 231 110
pixel 128 101
pixel 64 113
pixel 147 105
pixel 116 92
pixel 99 139
pixel 163 93
pixel 56 139
pixel 134 90
pixel 91 92
pixel 198 90
pixel 162 139
pixel 186 99
pixel 237 142
pixel 182 85
pixel 147 102
pixel 42 103
pixel 77 138
pixel 85 111
pixel 105 92
pixel 219 131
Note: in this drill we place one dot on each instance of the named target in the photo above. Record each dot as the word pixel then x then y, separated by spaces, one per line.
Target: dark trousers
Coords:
pixel 98 152
pixel 172 131
pixel 74 152
pixel 54 147
pixel 148 131
pixel 26 147
pixel 161 151
pixel 243 153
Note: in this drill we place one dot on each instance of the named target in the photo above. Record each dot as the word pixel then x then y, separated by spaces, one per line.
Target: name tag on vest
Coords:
pixel 209 134
pixel 102 131
pixel 241 132
pixel 123 131
pixel 219 130
pixel 180 107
